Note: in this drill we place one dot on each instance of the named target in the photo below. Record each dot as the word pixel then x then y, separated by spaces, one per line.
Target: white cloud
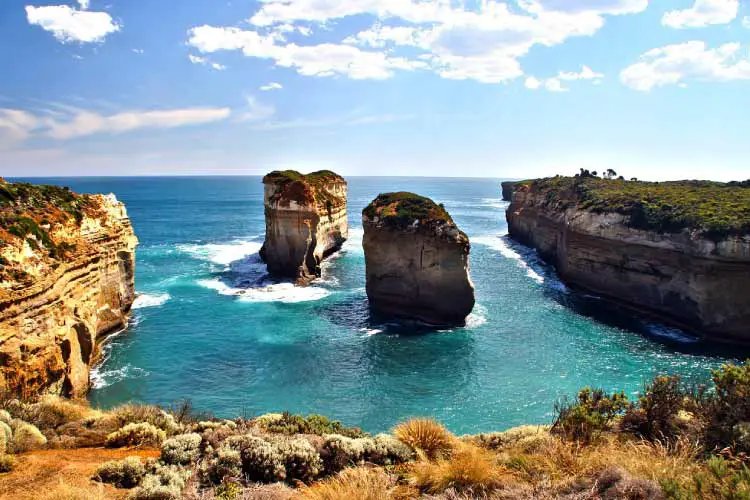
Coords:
pixel 271 86
pixel 554 85
pixel 482 43
pixel 703 13
pixel 18 125
pixel 84 4
pixel 673 64
pixel 586 73
pixel 138 51
pixel 256 111
pixel 532 83
pixel 70 25
pixel 205 62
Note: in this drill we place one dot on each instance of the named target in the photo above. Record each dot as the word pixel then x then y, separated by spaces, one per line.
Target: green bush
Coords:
pixel 7 463
pixel 27 437
pixel 143 434
pixel 654 417
pixel 301 459
pixel 228 490
pixel 726 411
pixel 339 452
pixel 387 450
pixel 126 473
pixel 181 450
pixel 226 464
pixel 261 460
pixel 166 483
pixel 131 413
pixel 591 413
pixel 5 417
pixel 6 437
pixel 290 425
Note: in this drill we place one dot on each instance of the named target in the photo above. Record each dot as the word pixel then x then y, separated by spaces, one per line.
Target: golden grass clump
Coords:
pixel 426 437
pixel 469 468
pixel 65 491
pixel 358 483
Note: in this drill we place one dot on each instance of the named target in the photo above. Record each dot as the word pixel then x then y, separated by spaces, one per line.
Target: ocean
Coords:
pixel 529 341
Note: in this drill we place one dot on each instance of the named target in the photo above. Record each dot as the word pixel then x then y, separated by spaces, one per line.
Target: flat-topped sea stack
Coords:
pixel 67 266
pixel 677 250
pixel 306 221
pixel 417 260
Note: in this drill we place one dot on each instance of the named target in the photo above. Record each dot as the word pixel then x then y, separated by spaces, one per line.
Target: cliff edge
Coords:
pixel 417 260
pixel 306 221
pixel 66 279
pixel 677 250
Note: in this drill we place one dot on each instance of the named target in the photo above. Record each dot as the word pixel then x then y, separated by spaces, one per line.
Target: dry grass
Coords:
pixel 360 483
pixel 426 437
pixel 65 491
pixel 469 468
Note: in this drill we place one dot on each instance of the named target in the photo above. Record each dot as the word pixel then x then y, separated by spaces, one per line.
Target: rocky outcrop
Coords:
pixel 695 280
pixel 508 188
pixel 306 221
pixel 417 260
pixel 66 280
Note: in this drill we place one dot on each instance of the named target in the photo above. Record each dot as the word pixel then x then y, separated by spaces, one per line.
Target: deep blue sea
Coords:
pixel 275 347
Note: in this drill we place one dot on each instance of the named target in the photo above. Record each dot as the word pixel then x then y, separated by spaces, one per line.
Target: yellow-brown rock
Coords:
pixel 306 221
pixel 67 266
pixel 417 260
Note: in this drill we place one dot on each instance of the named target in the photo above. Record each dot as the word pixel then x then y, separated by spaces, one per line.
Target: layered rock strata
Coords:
pixel 306 221
pixel 694 279
pixel 67 266
pixel 508 187
pixel 417 260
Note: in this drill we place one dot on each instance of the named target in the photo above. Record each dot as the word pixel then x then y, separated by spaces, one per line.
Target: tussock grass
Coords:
pixel 469 468
pixel 65 491
pixel 360 483
pixel 426 437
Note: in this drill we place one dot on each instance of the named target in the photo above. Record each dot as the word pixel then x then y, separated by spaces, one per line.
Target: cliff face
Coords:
pixel 417 260
pixel 694 280
pixel 67 278
pixel 508 188
pixel 306 221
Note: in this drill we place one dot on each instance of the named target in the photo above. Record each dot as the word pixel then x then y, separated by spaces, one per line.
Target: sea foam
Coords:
pixel 150 300
pixel 276 292
pixel 222 253
pixel 499 244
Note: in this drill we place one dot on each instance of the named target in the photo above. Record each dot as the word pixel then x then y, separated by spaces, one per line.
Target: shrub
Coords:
pixel 591 413
pixel 51 412
pixel 6 437
pixel 469 468
pixel 261 460
pixel 290 425
pixel 615 484
pixel 5 417
pixel 388 450
pixel 227 490
pixel 528 437
pixel 351 484
pixel 728 408
pixel 655 416
pixel 181 450
pixel 135 435
pixel 67 492
pixel 226 464
pixel 126 473
pixel 27 437
pixel 135 413
pixel 426 436
pixel 166 483
pixel 300 458
pixel 339 452
pixel 7 462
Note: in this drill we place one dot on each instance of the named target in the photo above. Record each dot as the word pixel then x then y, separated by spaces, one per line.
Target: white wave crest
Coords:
pixel 104 378
pixel 148 300
pixel 277 292
pixel 354 242
pixel 477 318
pixel 222 253
pixel 497 243
pixel 369 332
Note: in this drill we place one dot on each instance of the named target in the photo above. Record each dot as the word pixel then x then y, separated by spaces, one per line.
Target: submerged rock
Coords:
pixel 417 260
pixel 67 265
pixel 306 222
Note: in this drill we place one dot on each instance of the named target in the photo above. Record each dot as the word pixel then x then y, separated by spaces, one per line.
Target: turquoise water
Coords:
pixel 275 347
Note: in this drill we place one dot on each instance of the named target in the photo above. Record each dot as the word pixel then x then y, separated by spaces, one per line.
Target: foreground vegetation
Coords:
pixel 714 208
pixel 670 443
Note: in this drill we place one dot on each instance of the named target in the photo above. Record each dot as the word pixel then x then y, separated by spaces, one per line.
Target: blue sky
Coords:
pixel 514 88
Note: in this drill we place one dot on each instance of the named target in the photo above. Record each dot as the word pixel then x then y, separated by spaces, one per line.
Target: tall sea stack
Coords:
pixel 417 260
pixel 306 221
pixel 67 265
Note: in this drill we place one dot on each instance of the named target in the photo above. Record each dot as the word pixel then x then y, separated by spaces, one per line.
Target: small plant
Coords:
pixel 300 458
pixel 387 450
pixel 127 473
pixel 131 413
pixel 261 460
pixel 290 425
pixel 166 483
pixel 7 463
pixel 655 415
pixel 339 452
pixel 51 412
pixel 527 437
pixel 142 434
pixel 27 437
pixel 592 413
pixel 228 490
pixel 6 437
pixel 727 409
pixel 181 450
pixel 469 468
pixel 426 436
pixel 351 484
pixel 226 464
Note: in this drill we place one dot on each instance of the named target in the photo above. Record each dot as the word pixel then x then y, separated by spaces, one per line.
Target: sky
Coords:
pixel 475 88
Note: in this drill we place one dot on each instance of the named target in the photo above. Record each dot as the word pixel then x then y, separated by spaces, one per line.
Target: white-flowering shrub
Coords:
pixel 126 473
pixel 135 435
pixel 182 449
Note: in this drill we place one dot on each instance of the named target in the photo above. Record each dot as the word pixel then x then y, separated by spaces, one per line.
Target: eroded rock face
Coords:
pixel 683 278
pixel 306 221
pixel 67 264
pixel 508 188
pixel 417 260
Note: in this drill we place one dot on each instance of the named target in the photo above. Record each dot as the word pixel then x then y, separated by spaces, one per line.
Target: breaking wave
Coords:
pixel 148 300
pixel 274 292
pixel 499 244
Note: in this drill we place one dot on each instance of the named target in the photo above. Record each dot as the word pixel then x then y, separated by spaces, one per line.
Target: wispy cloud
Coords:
pixel 332 121
pixel 271 86
pixel 205 62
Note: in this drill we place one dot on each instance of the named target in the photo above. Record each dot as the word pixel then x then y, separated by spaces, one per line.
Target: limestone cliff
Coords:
pixel 66 280
pixel 306 221
pixel 417 260
pixel 678 251
pixel 508 188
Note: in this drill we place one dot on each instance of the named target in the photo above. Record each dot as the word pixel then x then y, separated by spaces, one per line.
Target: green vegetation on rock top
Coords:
pixel 713 208
pixel 24 196
pixel 402 209
pixel 313 178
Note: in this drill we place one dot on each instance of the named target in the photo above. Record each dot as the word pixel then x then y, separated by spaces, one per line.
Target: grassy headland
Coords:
pixel 671 442
pixel 715 209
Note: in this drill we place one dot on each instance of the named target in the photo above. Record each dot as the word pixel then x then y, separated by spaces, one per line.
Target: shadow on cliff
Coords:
pixel 614 315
